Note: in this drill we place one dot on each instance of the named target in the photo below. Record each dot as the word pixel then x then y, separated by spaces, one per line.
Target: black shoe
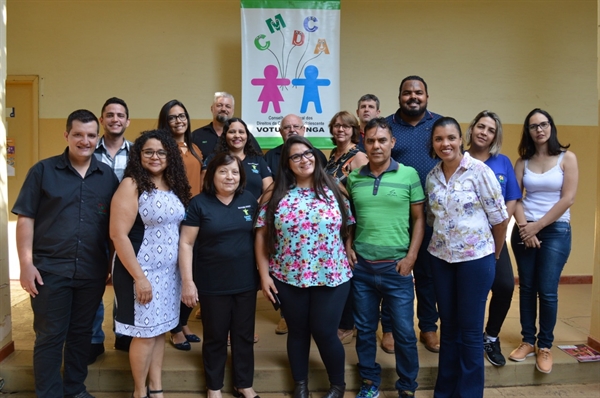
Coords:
pixel 335 391
pixel 122 343
pixel 301 389
pixel 185 346
pixel 83 394
pixel 493 352
pixel 192 338
pixel 95 351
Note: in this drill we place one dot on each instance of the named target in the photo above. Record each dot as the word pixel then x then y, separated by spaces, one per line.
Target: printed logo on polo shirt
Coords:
pixel 246 211
pixel 392 193
pixel 102 208
pixel 254 167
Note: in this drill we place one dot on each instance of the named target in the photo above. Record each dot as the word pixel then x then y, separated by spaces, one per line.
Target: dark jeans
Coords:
pixel 427 312
pixel 539 275
pixel 232 314
pixel 184 314
pixel 462 290
pixel 398 291
pixel 63 313
pixel 502 292
pixel 314 311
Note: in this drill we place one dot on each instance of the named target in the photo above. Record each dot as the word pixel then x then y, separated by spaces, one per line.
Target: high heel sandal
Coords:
pixel 238 394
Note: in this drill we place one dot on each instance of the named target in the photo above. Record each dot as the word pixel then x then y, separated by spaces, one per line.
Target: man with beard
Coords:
pixel 113 150
pixel 411 127
pixel 207 137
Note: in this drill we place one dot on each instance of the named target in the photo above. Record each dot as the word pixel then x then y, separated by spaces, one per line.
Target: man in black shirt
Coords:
pixel 62 241
pixel 207 137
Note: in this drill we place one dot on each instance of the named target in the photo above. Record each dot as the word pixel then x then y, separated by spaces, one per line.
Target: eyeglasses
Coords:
pixel 291 127
pixel 342 126
pixel 306 155
pixel 173 118
pixel 543 125
pixel 149 153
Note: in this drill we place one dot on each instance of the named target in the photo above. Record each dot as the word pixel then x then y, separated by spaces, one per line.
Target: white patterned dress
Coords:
pixel 155 239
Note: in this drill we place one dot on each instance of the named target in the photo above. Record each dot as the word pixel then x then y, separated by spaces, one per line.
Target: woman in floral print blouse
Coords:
pixel 301 258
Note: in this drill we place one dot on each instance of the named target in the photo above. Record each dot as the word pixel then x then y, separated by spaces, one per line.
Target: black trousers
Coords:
pixel 63 314
pixel 184 314
pixel 502 292
pixel 232 314
pixel 314 311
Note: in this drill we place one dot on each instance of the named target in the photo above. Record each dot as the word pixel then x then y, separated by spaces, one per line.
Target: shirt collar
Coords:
pixel 64 162
pixel 126 144
pixel 397 119
pixel 366 169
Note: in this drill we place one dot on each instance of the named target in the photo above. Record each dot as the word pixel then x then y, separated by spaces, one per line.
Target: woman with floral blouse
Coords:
pixel 464 199
pixel 300 254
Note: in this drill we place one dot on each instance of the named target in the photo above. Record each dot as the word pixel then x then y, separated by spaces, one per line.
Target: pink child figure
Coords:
pixel 270 91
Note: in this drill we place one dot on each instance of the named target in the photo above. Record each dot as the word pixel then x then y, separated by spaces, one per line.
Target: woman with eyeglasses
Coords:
pixel 235 141
pixel 145 215
pixel 216 255
pixel 484 142
pixel 541 238
pixel 301 258
pixel 174 118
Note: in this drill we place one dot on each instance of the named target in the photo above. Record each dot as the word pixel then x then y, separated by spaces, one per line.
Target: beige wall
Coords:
pixel 505 56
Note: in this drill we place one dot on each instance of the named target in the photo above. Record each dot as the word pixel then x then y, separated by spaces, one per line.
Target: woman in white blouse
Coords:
pixel 464 199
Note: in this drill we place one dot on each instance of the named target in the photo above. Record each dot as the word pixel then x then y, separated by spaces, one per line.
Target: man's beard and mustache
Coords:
pixel 413 112
pixel 222 117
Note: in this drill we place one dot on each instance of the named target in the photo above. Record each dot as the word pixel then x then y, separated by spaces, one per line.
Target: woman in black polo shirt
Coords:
pixel 217 238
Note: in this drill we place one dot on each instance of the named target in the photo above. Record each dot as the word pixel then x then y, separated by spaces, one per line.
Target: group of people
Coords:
pixel 399 209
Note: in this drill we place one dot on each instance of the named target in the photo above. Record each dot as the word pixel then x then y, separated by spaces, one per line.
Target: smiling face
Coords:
pixel 304 168
pixel 539 128
pixel 227 179
pixel 291 125
pixel 483 133
pixel 82 140
pixel 222 109
pixel 177 125
pixel 342 132
pixel 446 141
pixel 236 136
pixel 154 157
pixel 366 111
pixel 413 98
pixel 378 145
pixel 114 119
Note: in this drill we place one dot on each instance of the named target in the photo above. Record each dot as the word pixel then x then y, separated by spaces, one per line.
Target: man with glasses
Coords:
pixel 411 128
pixel 112 149
pixel 388 199
pixel 62 241
pixel 207 137
pixel 290 125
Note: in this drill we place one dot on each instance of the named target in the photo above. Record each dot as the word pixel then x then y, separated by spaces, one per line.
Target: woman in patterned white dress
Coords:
pixel 145 215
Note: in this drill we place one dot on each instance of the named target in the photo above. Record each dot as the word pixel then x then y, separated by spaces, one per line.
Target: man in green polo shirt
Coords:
pixel 387 197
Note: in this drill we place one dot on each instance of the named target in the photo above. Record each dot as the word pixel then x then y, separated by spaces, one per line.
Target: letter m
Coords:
pixel 275 25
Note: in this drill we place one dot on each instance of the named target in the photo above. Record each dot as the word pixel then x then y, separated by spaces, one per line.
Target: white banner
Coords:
pixel 290 64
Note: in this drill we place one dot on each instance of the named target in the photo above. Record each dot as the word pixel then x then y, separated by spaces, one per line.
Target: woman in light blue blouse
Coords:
pixel 464 199
pixel 300 254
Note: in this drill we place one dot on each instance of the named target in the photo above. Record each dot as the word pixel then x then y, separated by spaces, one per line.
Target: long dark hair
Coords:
pixel 174 173
pixel 222 146
pixel 527 147
pixel 163 124
pixel 286 180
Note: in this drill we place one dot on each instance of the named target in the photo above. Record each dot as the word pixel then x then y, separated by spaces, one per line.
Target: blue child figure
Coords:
pixel 270 92
pixel 311 88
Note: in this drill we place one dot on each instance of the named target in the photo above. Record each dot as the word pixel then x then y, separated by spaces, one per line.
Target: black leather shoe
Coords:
pixel 83 394
pixel 95 351
pixel 301 390
pixel 192 338
pixel 185 346
pixel 335 391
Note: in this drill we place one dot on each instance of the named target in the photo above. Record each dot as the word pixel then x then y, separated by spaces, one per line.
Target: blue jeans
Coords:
pixel 427 312
pixel 461 290
pixel 97 332
pixel 398 291
pixel 539 275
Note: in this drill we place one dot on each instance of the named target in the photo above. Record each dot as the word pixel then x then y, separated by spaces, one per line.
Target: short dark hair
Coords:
pixel 350 119
pixel 368 97
pixel 442 122
pixel 115 100
pixel 222 159
pixel 83 116
pixel 413 77
pixel 527 147
pixel 378 122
